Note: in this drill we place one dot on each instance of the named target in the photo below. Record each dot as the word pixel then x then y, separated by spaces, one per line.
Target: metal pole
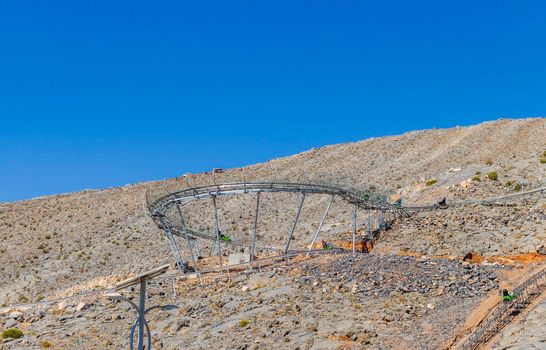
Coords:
pixel 354 230
pixel 369 224
pixel 381 220
pixel 180 263
pixel 142 308
pixel 255 226
pixel 218 246
pixel 190 249
pixel 294 225
pixel 321 223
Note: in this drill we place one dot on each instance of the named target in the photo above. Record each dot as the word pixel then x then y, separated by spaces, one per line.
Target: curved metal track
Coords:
pixel 362 200
pixel 173 203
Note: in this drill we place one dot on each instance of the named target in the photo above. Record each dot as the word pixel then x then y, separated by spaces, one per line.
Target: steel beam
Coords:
pixel 142 307
pixel 253 249
pixel 295 222
pixel 190 249
pixel 354 230
pixel 315 237
pixel 180 263
pixel 218 245
pixel 369 224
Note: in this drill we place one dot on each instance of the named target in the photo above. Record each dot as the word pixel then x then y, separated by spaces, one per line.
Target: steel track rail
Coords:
pixel 505 312
pixel 192 194
pixel 488 201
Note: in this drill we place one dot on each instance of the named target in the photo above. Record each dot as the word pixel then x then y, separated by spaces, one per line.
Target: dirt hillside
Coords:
pixel 58 245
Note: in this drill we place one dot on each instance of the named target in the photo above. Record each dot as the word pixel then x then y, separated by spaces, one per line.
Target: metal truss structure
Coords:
pixel 168 213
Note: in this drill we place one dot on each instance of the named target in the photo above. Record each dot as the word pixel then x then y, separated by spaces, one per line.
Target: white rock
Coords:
pixel 430 306
pixel 62 305
pixel 244 289
pixel 82 306
pixel 10 323
pixel 15 315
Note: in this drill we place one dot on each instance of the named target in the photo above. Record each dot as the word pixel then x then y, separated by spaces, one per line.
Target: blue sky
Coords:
pixel 96 94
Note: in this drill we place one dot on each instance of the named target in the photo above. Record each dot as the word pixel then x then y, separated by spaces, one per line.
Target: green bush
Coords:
pixel 431 182
pixel 476 178
pixel 517 188
pixel 543 160
pixel 492 175
pixel 244 323
pixel 12 333
pixel 489 162
pixel 509 183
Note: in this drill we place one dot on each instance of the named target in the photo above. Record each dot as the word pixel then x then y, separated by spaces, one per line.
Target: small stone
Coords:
pixel 10 323
pixel 431 306
pixel 16 315
pixel 245 288
pixel 184 322
pixel 62 305
pixel 82 306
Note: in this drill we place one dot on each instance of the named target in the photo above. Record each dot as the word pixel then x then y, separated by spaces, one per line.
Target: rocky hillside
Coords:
pixel 62 244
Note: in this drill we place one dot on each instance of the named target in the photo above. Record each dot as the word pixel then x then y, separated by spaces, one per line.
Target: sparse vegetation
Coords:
pixel 517 187
pixel 509 183
pixel 431 182
pixel 13 333
pixel 46 344
pixel 476 178
pixel 244 323
pixel 492 175
pixel 489 162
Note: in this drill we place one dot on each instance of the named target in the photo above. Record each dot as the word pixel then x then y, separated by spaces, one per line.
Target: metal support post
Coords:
pixel 185 228
pixel 142 308
pixel 381 220
pixel 253 249
pixel 218 244
pixel 180 263
pixel 354 230
pixel 294 225
pixel 369 224
pixel 321 223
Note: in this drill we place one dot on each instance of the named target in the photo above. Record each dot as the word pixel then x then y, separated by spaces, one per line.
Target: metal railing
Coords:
pixel 506 311
pixel 488 201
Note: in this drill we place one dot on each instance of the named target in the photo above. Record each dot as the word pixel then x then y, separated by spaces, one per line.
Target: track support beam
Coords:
pixel 253 249
pixel 315 237
pixel 218 244
pixel 185 228
pixel 295 223
pixel 354 230
pixel 180 263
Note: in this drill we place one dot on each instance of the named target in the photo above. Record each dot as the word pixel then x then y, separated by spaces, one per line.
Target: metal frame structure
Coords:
pixel 159 208
pixel 506 311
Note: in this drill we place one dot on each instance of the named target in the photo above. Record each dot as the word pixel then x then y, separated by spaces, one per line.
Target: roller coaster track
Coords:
pixel 506 311
pixel 167 212
pixel 362 200
pixel 500 200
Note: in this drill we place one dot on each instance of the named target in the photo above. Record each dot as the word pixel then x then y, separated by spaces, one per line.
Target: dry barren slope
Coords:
pixel 77 240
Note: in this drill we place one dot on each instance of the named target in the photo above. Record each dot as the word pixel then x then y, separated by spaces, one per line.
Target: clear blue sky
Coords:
pixel 103 93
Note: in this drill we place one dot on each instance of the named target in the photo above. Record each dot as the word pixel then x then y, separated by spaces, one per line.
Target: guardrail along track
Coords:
pixel 506 311
pixel 500 201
